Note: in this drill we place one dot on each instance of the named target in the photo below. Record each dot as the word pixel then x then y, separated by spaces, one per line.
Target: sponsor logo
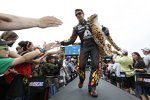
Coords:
pixel 36 84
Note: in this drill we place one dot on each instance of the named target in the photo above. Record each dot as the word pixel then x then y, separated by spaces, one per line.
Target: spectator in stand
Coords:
pixel 125 62
pixel 18 49
pixel 23 73
pixel 4 52
pixel 22 70
pixel 50 68
pixel 11 38
pixel 11 22
pixel 70 66
pixel 139 68
pixel 112 72
pixel 146 52
pixel 115 70
pixel 6 63
pixel 63 66
pixel 75 64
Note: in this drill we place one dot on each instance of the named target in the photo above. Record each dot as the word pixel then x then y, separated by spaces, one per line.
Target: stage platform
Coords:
pixel 105 90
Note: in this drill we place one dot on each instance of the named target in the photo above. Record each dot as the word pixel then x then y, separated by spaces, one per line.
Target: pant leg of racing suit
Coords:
pixel 94 77
pixel 83 58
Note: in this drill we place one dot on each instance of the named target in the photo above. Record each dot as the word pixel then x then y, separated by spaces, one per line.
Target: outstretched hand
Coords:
pixel 51 45
pixel 13 71
pixel 58 42
pixel 49 21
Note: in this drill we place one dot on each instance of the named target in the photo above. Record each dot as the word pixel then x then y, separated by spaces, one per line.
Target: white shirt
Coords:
pixel 117 68
pixel 110 67
pixel 61 70
pixel 147 62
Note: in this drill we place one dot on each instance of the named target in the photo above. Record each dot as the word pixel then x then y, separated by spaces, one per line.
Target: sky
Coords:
pixel 128 20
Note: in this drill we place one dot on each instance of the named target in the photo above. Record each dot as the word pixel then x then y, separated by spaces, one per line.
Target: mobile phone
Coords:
pixel 130 66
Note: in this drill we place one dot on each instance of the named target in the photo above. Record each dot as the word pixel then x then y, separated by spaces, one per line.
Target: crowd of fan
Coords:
pixel 46 64
pixel 123 71
pixel 119 69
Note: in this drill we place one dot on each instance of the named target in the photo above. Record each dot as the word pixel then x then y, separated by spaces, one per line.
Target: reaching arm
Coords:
pixel 109 38
pixel 38 60
pixel 11 22
pixel 13 54
pixel 71 40
pixel 27 57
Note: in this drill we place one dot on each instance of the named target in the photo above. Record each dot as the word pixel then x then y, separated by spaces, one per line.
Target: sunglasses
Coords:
pixel 78 13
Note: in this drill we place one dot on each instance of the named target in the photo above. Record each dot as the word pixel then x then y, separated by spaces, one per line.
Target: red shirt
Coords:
pixel 24 69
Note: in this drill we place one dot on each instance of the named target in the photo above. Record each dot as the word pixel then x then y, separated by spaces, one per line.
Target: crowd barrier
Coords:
pixel 43 87
pixel 143 79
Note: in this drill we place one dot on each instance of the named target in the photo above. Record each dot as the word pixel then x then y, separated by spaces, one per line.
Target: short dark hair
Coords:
pixel 49 57
pixel 8 34
pixel 24 44
pixel 79 10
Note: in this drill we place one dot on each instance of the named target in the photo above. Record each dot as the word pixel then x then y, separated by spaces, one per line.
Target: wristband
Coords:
pixel 42 50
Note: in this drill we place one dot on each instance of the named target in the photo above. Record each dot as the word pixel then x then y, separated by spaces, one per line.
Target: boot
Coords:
pixel 92 92
pixel 80 85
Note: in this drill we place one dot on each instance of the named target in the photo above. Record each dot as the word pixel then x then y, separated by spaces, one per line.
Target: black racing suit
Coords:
pixel 88 48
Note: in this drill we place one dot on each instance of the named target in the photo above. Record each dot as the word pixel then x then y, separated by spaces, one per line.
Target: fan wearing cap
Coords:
pixel 124 52
pixel 146 52
pixel 125 61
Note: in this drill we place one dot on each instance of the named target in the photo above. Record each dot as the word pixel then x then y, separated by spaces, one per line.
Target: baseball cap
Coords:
pixel 124 52
pixel 146 49
pixel 68 58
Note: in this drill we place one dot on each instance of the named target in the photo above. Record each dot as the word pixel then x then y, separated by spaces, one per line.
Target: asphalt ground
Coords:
pixel 105 90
